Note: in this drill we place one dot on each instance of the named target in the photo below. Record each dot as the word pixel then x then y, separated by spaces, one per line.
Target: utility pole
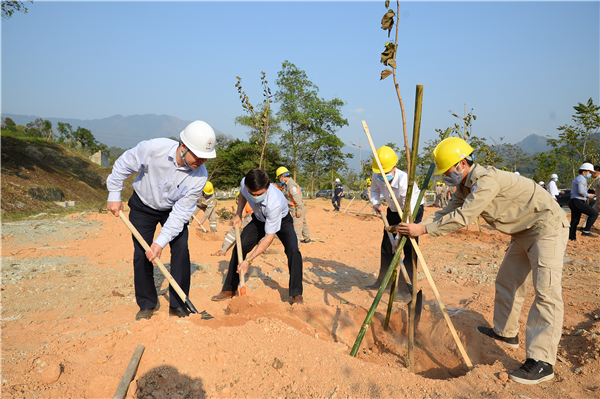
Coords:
pixel 359 146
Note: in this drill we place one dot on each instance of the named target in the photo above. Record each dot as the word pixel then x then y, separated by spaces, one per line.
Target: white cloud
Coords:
pixel 357 110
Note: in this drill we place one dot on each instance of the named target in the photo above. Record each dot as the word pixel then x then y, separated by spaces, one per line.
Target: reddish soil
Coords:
pixel 68 312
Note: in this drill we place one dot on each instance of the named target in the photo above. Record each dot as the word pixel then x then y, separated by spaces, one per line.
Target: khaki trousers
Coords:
pixel 300 226
pixel 542 263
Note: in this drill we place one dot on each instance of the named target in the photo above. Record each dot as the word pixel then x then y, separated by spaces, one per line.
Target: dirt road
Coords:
pixel 68 311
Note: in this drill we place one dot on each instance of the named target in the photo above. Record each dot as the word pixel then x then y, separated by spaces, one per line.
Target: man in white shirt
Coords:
pixel 271 217
pixel 399 182
pixel 552 189
pixel 171 177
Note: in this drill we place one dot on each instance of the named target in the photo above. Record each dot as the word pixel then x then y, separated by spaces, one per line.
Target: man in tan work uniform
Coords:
pixel 206 202
pixel 438 195
pixel 444 195
pixel 293 195
pixel 519 207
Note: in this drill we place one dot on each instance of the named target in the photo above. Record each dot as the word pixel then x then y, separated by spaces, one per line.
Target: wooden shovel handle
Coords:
pixel 238 244
pixel 158 263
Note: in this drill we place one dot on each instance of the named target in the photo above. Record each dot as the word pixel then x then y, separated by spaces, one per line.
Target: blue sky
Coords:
pixel 521 66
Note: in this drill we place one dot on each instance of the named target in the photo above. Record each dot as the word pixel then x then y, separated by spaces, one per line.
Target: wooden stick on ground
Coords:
pixel 129 373
pixel 441 304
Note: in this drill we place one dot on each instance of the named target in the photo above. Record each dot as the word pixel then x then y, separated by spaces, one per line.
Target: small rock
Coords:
pixel 51 374
pixel 277 364
pixel 503 376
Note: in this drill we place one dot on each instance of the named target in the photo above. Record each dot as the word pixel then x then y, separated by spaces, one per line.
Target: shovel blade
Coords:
pixel 418 307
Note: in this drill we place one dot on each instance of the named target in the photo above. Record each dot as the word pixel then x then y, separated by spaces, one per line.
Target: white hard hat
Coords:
pixel 337 180
pixel 587 166
pixel 200 138
pixel 541 183
pixel 517 173
pixel 554 176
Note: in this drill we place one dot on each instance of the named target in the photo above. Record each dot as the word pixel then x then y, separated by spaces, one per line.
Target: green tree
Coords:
pixel 10 6
pixel 513 155
pixel 35 128
pixel 322 149
pixel 65 130
pixel 86 139
pixel 295 93
pixel 8 125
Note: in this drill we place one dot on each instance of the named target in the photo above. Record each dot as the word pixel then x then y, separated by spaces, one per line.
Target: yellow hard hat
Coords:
pixel 387 157
pixel 208 188
pixel 449 152
pixel 281 170
pixel 368 181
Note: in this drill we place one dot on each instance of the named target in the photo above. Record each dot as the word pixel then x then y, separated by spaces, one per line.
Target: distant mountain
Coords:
pixel 118 130
pixel 533 144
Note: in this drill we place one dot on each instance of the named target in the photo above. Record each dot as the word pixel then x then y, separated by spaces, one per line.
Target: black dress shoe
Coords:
pixel 307 241
pixel 588 234
pixel 178 311
pixel 144 314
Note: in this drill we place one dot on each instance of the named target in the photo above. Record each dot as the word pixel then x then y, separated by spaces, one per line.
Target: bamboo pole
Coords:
pixel 393 265
pixel 441 304
pixel 348 205
pixel 129 373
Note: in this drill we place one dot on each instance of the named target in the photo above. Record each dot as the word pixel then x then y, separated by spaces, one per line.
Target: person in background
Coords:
pixel 369 196
pixel 596 188
pixel 516 206
pixel 207 203
pixel 337 195
pixel 230 238
pixel 444 195
pixel 552 189
pixel 398 180
pixel 293 195
pixel 438 195
pixel 171 178
pixel 579 205
pixel 542 184
pixel 271 217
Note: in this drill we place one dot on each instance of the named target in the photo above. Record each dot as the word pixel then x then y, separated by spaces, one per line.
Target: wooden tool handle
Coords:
pixel 129 373
pixel 157 261
pixel 238 245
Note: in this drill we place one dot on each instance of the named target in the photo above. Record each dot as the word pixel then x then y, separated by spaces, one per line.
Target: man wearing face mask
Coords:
pixel 271 217
pixel 519 207
pixel 171 178
pixel 399 182
pixel 293 194
pixel 578 203
pixel 552 188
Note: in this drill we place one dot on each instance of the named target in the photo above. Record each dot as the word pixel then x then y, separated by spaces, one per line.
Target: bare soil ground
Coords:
pixel 68 311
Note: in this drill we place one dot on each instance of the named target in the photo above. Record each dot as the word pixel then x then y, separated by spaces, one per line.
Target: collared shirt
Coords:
pixel 552 189
pixel 271 210
pixel 161 183
pixel 512 204
pixel 399 186
pixel 579 188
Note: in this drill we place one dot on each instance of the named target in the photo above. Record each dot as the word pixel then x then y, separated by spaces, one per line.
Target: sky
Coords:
pixel 519 66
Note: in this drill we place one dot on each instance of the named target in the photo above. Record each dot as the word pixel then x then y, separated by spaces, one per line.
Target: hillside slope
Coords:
pixel 31 164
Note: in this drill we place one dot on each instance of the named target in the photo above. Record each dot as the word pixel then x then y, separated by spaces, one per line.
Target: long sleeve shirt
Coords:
pixel 161 183
pixel 552 189
pixel 512 204
pixel 579 188
pixel 293 195
pixel 399 186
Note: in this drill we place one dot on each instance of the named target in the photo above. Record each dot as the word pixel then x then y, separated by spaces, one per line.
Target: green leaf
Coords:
pixel 387 3
pixel 385 73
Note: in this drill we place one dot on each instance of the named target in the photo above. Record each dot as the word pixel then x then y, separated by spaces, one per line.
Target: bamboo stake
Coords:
pixel 129 373
pixel 348 205
pixel 411 180
pixel 393 265
pixel 199 223
pixel 441 304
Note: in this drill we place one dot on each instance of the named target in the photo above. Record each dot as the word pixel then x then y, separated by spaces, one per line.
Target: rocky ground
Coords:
pixel 68 310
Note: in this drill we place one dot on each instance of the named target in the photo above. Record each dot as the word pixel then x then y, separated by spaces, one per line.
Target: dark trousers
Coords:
pixel 393 218
pixel 251 235
pixel 579 207
pixel 335 201
pixel 145 219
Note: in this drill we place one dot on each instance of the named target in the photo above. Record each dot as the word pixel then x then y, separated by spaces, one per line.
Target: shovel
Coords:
pixel 238 245
pixel 419 307
pixel 160 265
pixel 203 229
